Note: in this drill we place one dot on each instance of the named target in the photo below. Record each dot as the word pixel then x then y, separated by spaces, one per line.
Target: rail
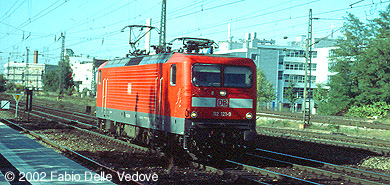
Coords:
pixel 349 174
pixel 68 151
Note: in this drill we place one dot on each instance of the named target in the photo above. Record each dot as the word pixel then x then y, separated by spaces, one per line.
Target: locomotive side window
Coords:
pixel 237 76
pixel 206 75
pixel 100 77
pixel 173 75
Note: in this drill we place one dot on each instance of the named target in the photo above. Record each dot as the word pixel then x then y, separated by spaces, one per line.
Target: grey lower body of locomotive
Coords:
pixel 132 124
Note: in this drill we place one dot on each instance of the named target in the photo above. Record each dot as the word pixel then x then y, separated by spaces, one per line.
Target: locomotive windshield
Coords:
pixel 206 75
pixel 209 75
pixel 237 76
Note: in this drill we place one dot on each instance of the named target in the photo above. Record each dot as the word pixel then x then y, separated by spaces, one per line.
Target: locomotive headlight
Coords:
pixel 222 93
pixel 249 115
pixel 194 114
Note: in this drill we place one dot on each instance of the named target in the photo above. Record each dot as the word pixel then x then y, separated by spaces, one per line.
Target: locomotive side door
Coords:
pixel 104 96
pixel 158 123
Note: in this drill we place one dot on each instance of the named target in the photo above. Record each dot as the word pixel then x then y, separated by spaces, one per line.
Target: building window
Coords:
pixel 286 78
pixel 298 78
pixel 294 66
pixel 295 53
pixel 253 56
pixel 298 92
pixel 281 59
pixel 300 53
pixel 313 79
pixel 314 54
pixel 313 67
pixel 280 75
pixel 173 75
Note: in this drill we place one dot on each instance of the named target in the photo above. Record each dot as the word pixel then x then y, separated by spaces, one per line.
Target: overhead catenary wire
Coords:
pixel 8 15
pixel 110 30
pixel 37 16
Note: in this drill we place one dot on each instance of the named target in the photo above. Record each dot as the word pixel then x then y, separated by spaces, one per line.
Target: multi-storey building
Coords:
pixel 84 71
pixel 283 65
pixel 27 74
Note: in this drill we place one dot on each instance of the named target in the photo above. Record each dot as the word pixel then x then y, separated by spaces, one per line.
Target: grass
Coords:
pixel 67 99
pixel 328 128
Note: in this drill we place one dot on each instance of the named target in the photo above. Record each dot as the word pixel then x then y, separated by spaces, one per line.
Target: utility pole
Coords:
pixel 62 47
pixel 147 36
pixel 61 62
pixel 306 108
pixel 163 28
pixel 26 67
pixel 27 52
pixel 9 60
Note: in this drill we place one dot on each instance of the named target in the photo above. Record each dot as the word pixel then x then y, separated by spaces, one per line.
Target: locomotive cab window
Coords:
pixel 206 75
pixel 209 75
pixel 237 76
pixel 173 75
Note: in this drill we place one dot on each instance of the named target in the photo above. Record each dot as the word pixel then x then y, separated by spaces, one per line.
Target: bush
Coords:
pixel 378 109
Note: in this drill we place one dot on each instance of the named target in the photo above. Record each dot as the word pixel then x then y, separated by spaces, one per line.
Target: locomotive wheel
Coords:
pixel 100 123
pixel 199 151
pixel 148 138
pixel 120 127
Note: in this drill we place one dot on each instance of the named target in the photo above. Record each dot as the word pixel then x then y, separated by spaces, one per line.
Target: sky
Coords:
pixel 93 27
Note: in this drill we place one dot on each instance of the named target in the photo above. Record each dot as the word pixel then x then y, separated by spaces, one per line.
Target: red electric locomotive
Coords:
pixel 203 102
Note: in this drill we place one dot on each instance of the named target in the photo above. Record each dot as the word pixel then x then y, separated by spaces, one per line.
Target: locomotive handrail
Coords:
pixel 159 102
pixel 105 83
pixel 155 101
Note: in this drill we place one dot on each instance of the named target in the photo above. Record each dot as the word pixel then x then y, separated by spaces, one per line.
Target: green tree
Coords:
pixel 344 85
pixel 65 77
pixel 374 73
pixel 320 93
pixel 50 81
pixel 362 64
pixel 374 65
pixel 290 93
pixel 265 90
pixel 59 80
pixel 3 83
pixel 320 96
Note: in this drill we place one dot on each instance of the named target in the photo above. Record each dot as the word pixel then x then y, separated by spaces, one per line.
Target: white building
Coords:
pixel 84 71
pixel 83 74
pixel 283 64
pixel 27 74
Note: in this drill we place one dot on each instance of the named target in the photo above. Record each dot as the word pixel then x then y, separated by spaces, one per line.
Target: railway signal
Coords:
pixel 17 98
pixel 5 105
pixel 29 93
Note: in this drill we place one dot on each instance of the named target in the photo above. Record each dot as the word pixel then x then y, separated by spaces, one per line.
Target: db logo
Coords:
pixel 222 102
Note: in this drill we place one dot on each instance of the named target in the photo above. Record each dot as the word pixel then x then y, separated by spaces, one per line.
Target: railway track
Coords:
pixel 92 130
pixel 381 147
pixel 78 156
pixel 268 167
pixel 333 171
pixel 245 176
pixel 243 171
pixel 335 120
pixel 264 176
